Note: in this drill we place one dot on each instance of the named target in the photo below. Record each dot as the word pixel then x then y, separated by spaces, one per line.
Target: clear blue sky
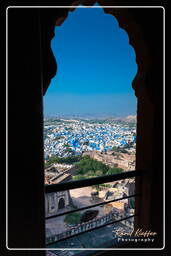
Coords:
pixel 96 66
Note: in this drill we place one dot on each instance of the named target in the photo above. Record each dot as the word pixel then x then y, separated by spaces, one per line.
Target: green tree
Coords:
pixel 52 160
pixel 114 170
pixel 73 218
pixel 88 167
pixel 99 173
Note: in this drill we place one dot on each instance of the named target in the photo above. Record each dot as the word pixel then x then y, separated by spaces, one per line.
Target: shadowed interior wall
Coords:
pixel 25 131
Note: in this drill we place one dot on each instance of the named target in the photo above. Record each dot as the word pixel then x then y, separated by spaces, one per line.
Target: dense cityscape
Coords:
pixel 64 137
pixel 76 148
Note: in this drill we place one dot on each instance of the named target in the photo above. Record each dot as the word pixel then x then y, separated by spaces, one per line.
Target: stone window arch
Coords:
pixel 144 91
pixel 145 30
pixel 61 203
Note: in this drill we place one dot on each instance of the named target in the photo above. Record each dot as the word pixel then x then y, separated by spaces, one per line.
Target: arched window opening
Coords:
pixel 36 66
pixel 90 117
pixel 61 203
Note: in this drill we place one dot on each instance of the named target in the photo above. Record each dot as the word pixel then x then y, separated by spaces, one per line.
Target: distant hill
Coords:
pixel 93 117
pixel 127 119
pixel 131 119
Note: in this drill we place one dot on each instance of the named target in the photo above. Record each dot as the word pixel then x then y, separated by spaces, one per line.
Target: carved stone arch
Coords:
pixel 136 39
pixel 148 61
pixel 61 203
pixel 30 63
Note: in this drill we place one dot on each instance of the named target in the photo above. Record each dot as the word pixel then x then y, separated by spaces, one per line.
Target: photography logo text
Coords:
pixel 138 235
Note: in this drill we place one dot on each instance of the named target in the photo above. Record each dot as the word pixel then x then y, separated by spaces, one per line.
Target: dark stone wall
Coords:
pixel 25 131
